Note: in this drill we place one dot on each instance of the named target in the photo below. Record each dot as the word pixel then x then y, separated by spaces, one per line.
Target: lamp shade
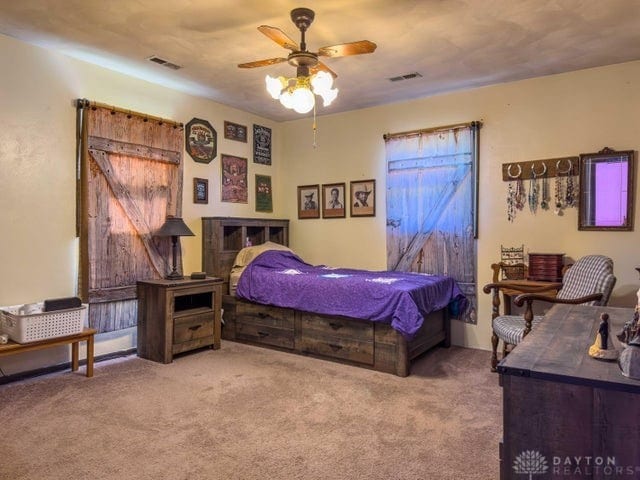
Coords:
pixel 174 226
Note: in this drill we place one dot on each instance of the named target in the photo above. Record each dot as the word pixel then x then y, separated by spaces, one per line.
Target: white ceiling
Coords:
pixel 453 44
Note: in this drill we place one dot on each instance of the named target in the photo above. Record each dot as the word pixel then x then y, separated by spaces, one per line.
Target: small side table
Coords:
pixel 87 334
pixel 176 316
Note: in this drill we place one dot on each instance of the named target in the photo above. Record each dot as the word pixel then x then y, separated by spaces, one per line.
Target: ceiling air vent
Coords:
pixel 408 76
pixel 164 63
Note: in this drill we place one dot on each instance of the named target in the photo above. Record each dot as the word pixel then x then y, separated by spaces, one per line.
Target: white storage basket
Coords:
pixel 40 326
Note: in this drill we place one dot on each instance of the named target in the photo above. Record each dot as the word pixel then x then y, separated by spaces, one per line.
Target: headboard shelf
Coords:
pixel 224 237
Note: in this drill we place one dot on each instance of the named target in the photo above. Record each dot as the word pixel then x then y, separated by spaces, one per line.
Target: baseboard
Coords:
pixel 62 366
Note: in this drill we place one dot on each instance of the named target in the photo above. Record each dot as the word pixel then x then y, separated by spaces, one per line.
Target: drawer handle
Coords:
pixel 263 334
pixel 195 327
pixel 335 326
pixel 335 347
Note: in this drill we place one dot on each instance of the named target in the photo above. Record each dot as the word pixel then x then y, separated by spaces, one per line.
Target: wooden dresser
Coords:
pixel 563 409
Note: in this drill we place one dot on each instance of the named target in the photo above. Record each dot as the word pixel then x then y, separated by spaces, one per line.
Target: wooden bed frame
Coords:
pixel 357 342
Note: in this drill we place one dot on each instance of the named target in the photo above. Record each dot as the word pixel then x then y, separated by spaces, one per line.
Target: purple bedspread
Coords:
pixel 282 279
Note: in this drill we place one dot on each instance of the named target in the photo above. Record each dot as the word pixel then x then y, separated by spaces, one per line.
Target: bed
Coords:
pixel 397 317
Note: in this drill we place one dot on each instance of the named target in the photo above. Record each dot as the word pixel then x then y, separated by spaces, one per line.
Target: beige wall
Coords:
pixel 38 250
pixel 547 117
pixel 541 118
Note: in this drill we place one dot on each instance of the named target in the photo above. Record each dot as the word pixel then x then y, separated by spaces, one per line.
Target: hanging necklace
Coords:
pixel 544 204
pixel 514 194
pixel 534 187
pixel 564 194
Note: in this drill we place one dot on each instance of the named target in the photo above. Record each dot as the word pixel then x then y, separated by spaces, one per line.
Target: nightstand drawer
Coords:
pixel 193 331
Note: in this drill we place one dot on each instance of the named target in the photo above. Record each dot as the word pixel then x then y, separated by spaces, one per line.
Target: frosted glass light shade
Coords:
pixel 275 86
pixel 321 82
pixel 303 100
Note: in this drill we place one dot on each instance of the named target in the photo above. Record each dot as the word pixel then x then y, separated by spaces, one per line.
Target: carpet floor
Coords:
pixel 245 412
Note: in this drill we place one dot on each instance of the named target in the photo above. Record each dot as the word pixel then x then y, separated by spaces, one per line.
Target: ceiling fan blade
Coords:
pixel 279 37
pixel 345 49
pixel 262 63
pixel 322 66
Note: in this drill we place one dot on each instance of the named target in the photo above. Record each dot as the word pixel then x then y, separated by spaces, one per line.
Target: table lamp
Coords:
pixel 174 227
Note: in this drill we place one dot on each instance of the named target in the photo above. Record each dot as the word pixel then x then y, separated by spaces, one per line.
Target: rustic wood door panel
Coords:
pixel 430 208
pixel 131 180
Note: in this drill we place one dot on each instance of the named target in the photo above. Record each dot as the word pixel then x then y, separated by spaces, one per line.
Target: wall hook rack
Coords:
pixel 550 167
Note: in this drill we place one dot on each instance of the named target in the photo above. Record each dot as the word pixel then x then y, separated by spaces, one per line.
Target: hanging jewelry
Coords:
pixel 544 204
pixel 570 196
pixel 514 193
pixel 534 187
pixel 565 196
pixel 560 191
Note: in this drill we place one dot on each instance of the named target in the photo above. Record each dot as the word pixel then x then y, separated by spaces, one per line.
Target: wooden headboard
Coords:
pixel 224 237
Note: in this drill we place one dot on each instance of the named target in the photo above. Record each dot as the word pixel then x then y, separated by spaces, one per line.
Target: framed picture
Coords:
pixel 261 145
pixel 308 201
pixel 200 190
pixel 233 131
pixel 333 200
pixel 201 140
pixel 363 198
pixel 234 179
pixel 264 197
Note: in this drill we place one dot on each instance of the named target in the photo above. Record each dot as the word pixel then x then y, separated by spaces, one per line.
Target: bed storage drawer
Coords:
pixel 265 325
pixel 336 337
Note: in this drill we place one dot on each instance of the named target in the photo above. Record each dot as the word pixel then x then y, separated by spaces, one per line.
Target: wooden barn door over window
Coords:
pixel 130 180
pixel 431 204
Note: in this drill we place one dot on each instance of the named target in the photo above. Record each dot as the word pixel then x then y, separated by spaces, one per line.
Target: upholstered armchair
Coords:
pixel 589 281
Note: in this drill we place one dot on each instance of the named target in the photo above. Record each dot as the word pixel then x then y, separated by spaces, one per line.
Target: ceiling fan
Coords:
pixel 311 73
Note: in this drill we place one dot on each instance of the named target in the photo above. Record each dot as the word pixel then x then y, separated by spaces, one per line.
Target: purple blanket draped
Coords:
pixel 282 279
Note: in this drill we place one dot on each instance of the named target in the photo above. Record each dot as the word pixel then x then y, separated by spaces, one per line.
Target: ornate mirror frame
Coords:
pixel 607 188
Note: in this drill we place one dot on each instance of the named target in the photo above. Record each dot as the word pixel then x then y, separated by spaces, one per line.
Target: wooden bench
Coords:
pixel 87 334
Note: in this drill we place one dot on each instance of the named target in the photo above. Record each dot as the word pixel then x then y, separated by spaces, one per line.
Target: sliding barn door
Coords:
pixel 131 179
pixel 431 206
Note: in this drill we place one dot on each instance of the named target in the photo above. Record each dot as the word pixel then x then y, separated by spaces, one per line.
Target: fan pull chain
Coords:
pixel 315 128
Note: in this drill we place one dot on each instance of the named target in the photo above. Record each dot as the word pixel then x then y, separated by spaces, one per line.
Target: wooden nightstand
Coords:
pixel 176 316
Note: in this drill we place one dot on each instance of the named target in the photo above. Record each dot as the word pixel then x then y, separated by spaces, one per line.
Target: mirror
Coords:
pixel 606 190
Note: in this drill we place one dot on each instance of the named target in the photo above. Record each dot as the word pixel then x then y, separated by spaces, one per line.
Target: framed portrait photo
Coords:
pixel 200 190
pixel 363 198
pixel 333 200
pixel 308 201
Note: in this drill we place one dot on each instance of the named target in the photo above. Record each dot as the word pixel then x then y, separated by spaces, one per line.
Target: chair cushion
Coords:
pixel 510 328
pixel 590 274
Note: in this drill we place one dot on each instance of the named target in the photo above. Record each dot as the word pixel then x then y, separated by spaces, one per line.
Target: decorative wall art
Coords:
pixel 333 200
pixel 261 145
pixel 234 179
pixel 308 201
pixel 201 140
pixel 363 198
pixel 200 190
pixel 233 131
pixel 264 197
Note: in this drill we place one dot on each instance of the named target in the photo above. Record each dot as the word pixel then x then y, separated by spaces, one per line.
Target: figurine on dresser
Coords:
pixel 602 349
pixel 629 360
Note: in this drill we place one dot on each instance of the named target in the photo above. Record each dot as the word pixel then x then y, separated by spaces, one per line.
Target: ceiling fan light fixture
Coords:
pixel 301 96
